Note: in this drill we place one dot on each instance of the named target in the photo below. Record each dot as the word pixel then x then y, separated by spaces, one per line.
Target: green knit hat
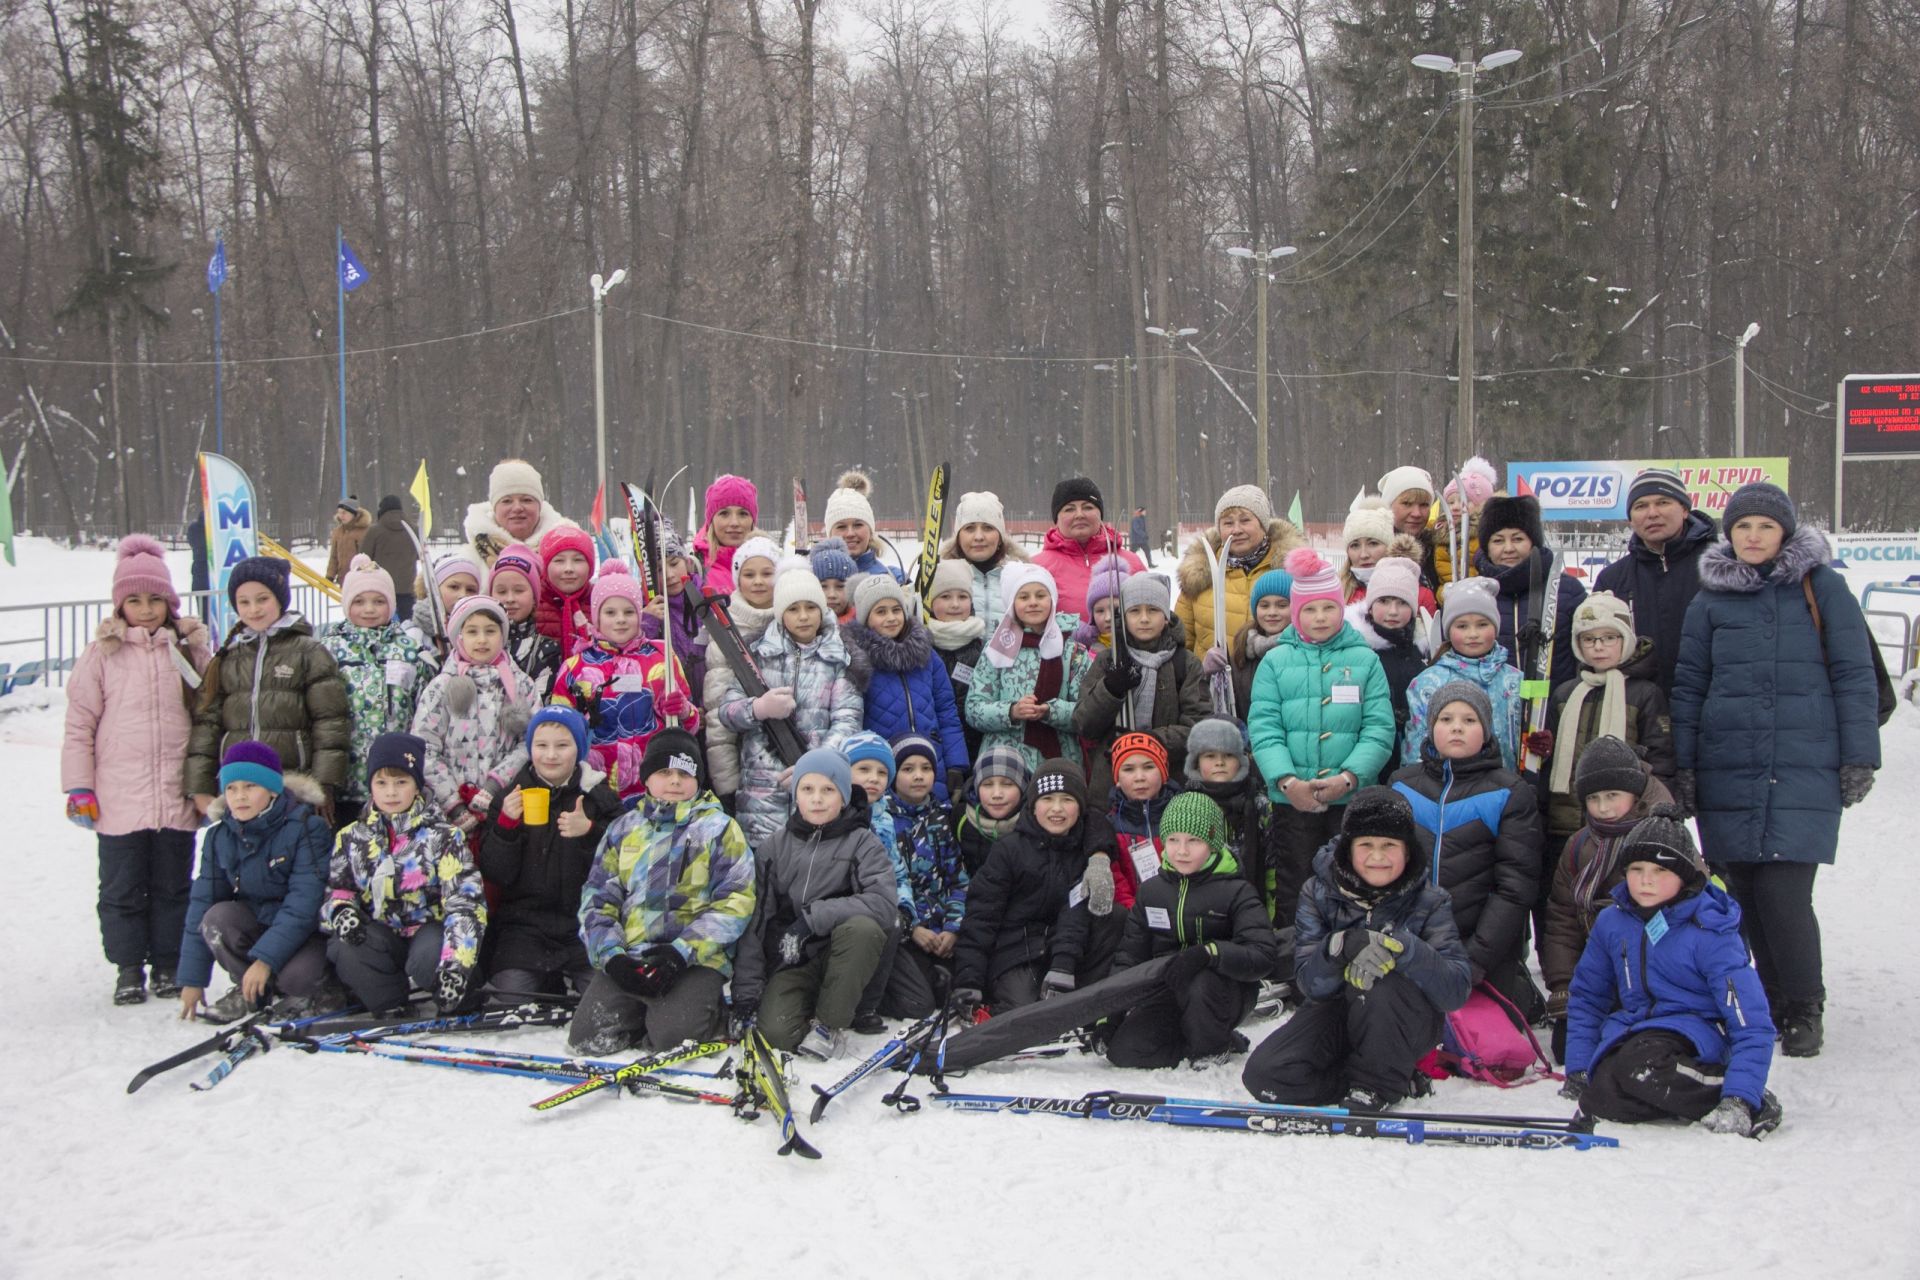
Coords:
pixel 1193 813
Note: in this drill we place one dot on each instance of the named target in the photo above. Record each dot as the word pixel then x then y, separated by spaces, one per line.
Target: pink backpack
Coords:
pixel 1488 1040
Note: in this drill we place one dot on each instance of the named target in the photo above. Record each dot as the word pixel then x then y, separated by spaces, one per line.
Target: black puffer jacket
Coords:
pixel 283 689
pixel 1479 826
pixel 1215 907
pixel 1660 585
pixel 538 874
pixel 1017 906
pixel 1248 812
pixel 1180 701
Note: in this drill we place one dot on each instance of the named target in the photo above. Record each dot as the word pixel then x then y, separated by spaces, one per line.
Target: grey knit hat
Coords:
pixel 1462 691
pixel 1761 499
pixel 871 589
pixel 1002 762
pixel 1609 764
pixel 1470 596
pixel 1216 733
pixel 1146 588
pixel 1250 498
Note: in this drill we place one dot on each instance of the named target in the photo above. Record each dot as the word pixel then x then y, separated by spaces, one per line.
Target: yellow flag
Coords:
pixel 423 495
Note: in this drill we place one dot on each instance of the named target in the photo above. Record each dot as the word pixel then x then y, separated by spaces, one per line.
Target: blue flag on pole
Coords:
pixel 352 274
pixel 217 267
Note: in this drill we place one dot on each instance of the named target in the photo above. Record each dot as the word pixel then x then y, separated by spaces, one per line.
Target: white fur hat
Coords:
pixel 1403 480
pixel 1368 517
pixel 849 500
pixel 798 586
pixel 515 476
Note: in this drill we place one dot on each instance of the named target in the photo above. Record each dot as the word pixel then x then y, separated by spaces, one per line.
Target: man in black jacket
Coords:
pixel 1660 574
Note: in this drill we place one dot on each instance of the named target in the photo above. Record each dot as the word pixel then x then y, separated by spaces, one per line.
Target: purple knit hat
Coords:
pixel 254 762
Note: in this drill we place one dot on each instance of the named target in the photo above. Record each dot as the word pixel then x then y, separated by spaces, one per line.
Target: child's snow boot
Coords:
pixel 131 986
pixel 164 985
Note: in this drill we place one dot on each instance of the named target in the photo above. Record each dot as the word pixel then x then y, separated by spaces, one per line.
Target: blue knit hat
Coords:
pixel 829 764
pixel 400 751
pixel 269 571
pixel 868 745
pixel 829 560
pixel 254 762
pixel 566 717
pixel 1274 582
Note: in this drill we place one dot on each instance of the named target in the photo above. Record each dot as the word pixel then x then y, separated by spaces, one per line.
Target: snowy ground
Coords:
pixel 301 1165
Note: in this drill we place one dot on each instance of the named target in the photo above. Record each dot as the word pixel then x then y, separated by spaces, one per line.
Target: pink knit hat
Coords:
pixel 140 566
pixel 615 579
pixel 365 574
pixel 732 491
pixel 1398 577
pixel 465 608
pixel 1313 578
pixel 1479 480
pixel 518 558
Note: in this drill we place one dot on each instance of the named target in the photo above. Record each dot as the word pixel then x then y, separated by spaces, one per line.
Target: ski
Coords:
pixel 726 637
pixel 1411 1129
pixel 885 1056
pixel 538 1013
pixel 930 526
pixel 219 1041
pixel 252 1043
pixel 1537 692
pixel 802 525
pixel 1119 655
pixel 633 1070
pixel 426 576
pixel 1041 1023
pixel 531 1067
pixel 556 1063
pixel 761 1082
pixel 1220 684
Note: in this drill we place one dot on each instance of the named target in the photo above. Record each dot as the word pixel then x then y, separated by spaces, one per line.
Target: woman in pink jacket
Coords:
pixel 122 762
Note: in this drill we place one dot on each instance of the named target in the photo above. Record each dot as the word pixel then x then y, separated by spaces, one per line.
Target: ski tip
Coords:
pixel 819 1105
pixel 799 1146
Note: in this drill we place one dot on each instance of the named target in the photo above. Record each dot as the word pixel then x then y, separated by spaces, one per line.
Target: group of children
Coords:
pixel 552 782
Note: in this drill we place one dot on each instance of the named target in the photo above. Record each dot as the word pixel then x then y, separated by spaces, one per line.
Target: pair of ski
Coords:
pixel 905 1051
pixel 646 532
pixel 1524 1132
pixel 236 1043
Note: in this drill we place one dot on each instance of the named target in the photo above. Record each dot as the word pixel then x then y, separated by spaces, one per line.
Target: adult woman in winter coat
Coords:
pixel 909 691
pixel 732 511
pixel 350 524
pixel 1775 723
pixel 980 541
pixel 1514 554
pixel 516 510
pixel 1249 541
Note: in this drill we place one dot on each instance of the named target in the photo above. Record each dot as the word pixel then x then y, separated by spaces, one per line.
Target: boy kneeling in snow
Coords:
pixel 665 902
pixel 826 901
pixel 1203 911
pixel 1666 1018
pixel 1379 960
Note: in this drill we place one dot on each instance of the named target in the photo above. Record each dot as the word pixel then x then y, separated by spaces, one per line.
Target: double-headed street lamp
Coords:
pixel 1465 67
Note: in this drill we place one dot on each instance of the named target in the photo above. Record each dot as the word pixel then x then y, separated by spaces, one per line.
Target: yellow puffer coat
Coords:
pixel 1195 608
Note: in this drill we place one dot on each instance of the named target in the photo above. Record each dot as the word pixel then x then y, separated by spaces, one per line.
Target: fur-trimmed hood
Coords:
pixel 114 632
pixel 481 524
pixel 908 651
pixel 299 786
pixel 1422 629
pixel 1196 579
pixel 1803 551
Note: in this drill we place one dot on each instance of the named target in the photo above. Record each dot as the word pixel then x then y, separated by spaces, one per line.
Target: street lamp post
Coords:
pixel 1464 68
pixel 600 290
pixel 1173 337
pixel 1740 389
pixel 1262 259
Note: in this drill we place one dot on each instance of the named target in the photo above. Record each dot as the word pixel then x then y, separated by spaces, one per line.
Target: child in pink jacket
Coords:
pixel 122 761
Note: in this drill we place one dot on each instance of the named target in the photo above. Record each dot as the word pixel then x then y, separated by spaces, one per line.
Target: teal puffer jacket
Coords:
pixel 1320 708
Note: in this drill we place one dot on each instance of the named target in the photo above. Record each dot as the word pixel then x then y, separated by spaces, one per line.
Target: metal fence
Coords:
pixel 45 655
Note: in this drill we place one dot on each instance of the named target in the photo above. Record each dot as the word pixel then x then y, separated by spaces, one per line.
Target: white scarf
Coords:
pixel 1613 721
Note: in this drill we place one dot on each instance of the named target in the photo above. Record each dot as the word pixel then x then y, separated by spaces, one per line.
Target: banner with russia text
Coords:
pixel 233 523
pixel 1597 490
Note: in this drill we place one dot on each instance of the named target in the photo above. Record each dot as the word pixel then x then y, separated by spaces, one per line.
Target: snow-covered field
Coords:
pixel 301 1165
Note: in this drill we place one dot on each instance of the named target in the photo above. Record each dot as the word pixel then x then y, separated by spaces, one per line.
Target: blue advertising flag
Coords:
pixel 217 267
pixel 352 274
pixel 226 494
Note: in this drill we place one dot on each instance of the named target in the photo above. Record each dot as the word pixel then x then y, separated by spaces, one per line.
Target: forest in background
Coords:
pixel 898 233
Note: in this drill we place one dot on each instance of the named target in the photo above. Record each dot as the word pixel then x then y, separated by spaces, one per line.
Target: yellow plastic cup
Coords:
pixel 533 805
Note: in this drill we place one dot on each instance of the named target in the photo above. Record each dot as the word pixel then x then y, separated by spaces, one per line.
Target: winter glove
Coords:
pixel 1056 982
pixel 1188 963
pixel 627 975
pixel 774 704
pixel 451 991
pixel 1558 1037
pixel 1375 960
pixel 1575 1086
pixel 793 943
pixel 349 925
pixel 1539 742
pixel 676 705
pixel 83 808
pixel 1684 790
pixel 1120 681
pixel 1098 882
pixel 1557 1004
pixel 1855 781
pixel 1216 660
pixel 741 1018
pixel 956 785
pixel 586 700
pixel 1733 1115
pixel 1349 944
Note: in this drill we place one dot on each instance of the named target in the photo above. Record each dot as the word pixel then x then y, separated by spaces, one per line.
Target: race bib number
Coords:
pixel 1347 695
pixel 1076 896
pixel 963 674
pixel 1146 862
pixel 629 683
pixel 400 673
pixel 1157 918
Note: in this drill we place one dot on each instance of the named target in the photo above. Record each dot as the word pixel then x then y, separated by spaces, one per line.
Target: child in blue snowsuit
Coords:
pixel 1666 1018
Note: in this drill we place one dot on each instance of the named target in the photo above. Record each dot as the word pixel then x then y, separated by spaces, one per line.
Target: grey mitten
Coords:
pixel 1855 781
pixel 1098 883
pixel 460 694
pixel 513 720
pixel 1055 983
pixel 1731 1116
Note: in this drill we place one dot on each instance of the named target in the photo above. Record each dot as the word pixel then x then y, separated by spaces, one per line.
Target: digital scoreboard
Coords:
pixel 1880 414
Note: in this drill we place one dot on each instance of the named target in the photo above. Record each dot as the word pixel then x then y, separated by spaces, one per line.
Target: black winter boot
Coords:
pixel 1801 1028
pixel 131 986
